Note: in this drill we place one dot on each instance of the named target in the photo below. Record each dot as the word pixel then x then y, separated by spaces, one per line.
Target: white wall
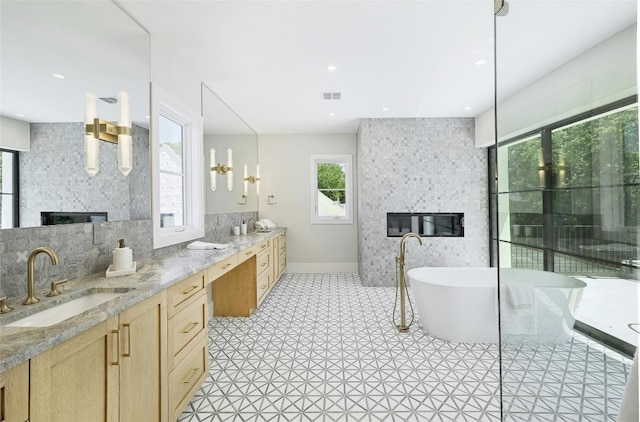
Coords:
pixel 284 172
pixel 14 134
pixel 601 75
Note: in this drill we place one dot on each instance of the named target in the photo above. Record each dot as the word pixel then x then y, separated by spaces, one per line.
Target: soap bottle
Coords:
pixel 243 228
pixel 122 257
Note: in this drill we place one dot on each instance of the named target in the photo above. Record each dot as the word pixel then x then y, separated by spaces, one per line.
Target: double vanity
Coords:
pixel 140 355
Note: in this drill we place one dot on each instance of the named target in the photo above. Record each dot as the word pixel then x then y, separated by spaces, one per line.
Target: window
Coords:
pixel 178 213
pixel 331 189
pixel 569 194
pixel 9 189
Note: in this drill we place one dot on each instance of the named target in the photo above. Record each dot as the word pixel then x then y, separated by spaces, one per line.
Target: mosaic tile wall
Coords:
pixel 85 249
pixel 419 165
pixel 52 176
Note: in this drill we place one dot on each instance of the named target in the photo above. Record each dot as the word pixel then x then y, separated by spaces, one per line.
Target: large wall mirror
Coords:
pixel 224 130
pixel 52 53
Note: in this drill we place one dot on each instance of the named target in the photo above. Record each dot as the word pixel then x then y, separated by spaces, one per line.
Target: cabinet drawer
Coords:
pixel 182 294
pixel 185 328
pixel 283 262
pixel 262 262
pixel 262 246
pixel 262 285
pixel 283 246
pixel 186 378
pixel 216 270
pixel 282 236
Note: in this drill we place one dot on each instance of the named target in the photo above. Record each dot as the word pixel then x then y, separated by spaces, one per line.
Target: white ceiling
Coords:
pixel 268 59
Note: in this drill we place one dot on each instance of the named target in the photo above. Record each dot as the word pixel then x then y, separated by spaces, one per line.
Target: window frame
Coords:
pixel 162 103
pixel 14 196
pixel 347 161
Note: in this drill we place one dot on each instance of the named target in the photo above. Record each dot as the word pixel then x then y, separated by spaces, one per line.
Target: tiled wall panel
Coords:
pixel 419 165
pixel 87 248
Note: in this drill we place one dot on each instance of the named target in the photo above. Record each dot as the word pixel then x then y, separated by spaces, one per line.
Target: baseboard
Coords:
pixel 313 267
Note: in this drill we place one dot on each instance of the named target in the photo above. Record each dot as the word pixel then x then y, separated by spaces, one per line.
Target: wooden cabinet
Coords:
pixel 78 380
pixel 114 371
pixel 14 394
pixel 187 341
pixel 143 361
pixel 280 256
pixel 264 272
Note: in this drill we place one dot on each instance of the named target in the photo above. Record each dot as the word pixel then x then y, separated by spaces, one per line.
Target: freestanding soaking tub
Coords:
pixel 461 304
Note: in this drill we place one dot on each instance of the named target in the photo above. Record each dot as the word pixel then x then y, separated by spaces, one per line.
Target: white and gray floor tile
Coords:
pixel 323 348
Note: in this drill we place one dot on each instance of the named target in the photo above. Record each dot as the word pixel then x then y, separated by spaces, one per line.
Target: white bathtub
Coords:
pixel 461 304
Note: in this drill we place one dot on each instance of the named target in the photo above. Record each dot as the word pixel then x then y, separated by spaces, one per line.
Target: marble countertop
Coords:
pixel 153 275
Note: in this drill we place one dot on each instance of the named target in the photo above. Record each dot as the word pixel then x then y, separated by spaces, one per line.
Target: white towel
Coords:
pixel 205 245
pixel 521 297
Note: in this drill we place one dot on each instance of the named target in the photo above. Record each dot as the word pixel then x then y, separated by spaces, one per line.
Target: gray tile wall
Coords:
pixel 419 165
pixel 85 249
pixel 52 176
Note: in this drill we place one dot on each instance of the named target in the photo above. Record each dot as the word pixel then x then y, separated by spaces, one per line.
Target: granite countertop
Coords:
pixel 153 275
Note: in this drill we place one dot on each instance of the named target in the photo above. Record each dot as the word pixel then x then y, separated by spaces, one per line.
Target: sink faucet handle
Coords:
pixel 4 308
pixel 54 287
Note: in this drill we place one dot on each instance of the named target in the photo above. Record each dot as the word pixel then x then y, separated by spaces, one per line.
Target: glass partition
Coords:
pixel 567 207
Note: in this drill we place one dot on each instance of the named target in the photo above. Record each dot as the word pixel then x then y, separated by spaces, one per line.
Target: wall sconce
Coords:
pixel 562 171
pixel 97 130
pixel 542 170
pixel 221 169
pixel 250 179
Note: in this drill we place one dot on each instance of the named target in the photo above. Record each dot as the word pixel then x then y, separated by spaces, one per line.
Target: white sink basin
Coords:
pixel 64 311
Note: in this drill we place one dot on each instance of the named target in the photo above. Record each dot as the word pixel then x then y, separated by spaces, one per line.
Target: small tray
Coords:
pixel 112 273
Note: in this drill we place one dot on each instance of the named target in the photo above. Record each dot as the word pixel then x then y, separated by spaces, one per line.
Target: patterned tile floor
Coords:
pixel 323 348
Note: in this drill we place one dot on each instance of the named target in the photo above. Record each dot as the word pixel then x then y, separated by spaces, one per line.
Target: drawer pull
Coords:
pixel 128 327
pixel 264 286
pixel 192 373
pixel 263 246
pixel 249 253
pixel 224 267
pixel 190 328
pixel 117 348
pixel 264 264
pixel 192 288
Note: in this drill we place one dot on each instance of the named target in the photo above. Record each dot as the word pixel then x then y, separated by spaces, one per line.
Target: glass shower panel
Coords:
pixel 567 207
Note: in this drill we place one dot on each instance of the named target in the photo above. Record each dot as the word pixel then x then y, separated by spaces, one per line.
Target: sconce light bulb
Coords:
pixel 125 154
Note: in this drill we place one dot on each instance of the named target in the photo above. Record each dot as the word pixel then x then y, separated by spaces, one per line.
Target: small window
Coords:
pixel 177 159
pixel 331 189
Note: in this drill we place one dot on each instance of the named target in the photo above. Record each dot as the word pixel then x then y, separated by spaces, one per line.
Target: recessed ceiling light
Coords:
pixel 331 68
pixel 147 117
pixel 386 108
pixel 480 62
pixel 467 108
pixel 332 114
pixel 58 76
pixel 19 114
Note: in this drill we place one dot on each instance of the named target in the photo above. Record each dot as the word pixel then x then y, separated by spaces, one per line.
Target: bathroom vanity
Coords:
pixel 143 354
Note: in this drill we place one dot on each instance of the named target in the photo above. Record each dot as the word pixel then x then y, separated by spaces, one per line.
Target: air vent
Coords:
pixel 331 95
pixel 110 100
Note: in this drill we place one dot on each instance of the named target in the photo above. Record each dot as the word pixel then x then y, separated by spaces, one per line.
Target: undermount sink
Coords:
pixel 66 310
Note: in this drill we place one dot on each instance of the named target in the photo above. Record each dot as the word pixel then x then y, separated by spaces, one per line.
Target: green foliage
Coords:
pixel 332 181
pixel 589 159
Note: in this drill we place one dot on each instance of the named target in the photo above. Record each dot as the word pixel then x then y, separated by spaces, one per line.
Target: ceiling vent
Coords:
pixel 110 100
pixel 331 95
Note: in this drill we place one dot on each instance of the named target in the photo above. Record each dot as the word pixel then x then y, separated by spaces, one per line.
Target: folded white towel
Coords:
pixel 521 297
pixel 205 245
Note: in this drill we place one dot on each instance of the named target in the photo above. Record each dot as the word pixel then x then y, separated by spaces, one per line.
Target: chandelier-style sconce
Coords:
pixel 221 169
pixel 97 130
pixel 250 179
